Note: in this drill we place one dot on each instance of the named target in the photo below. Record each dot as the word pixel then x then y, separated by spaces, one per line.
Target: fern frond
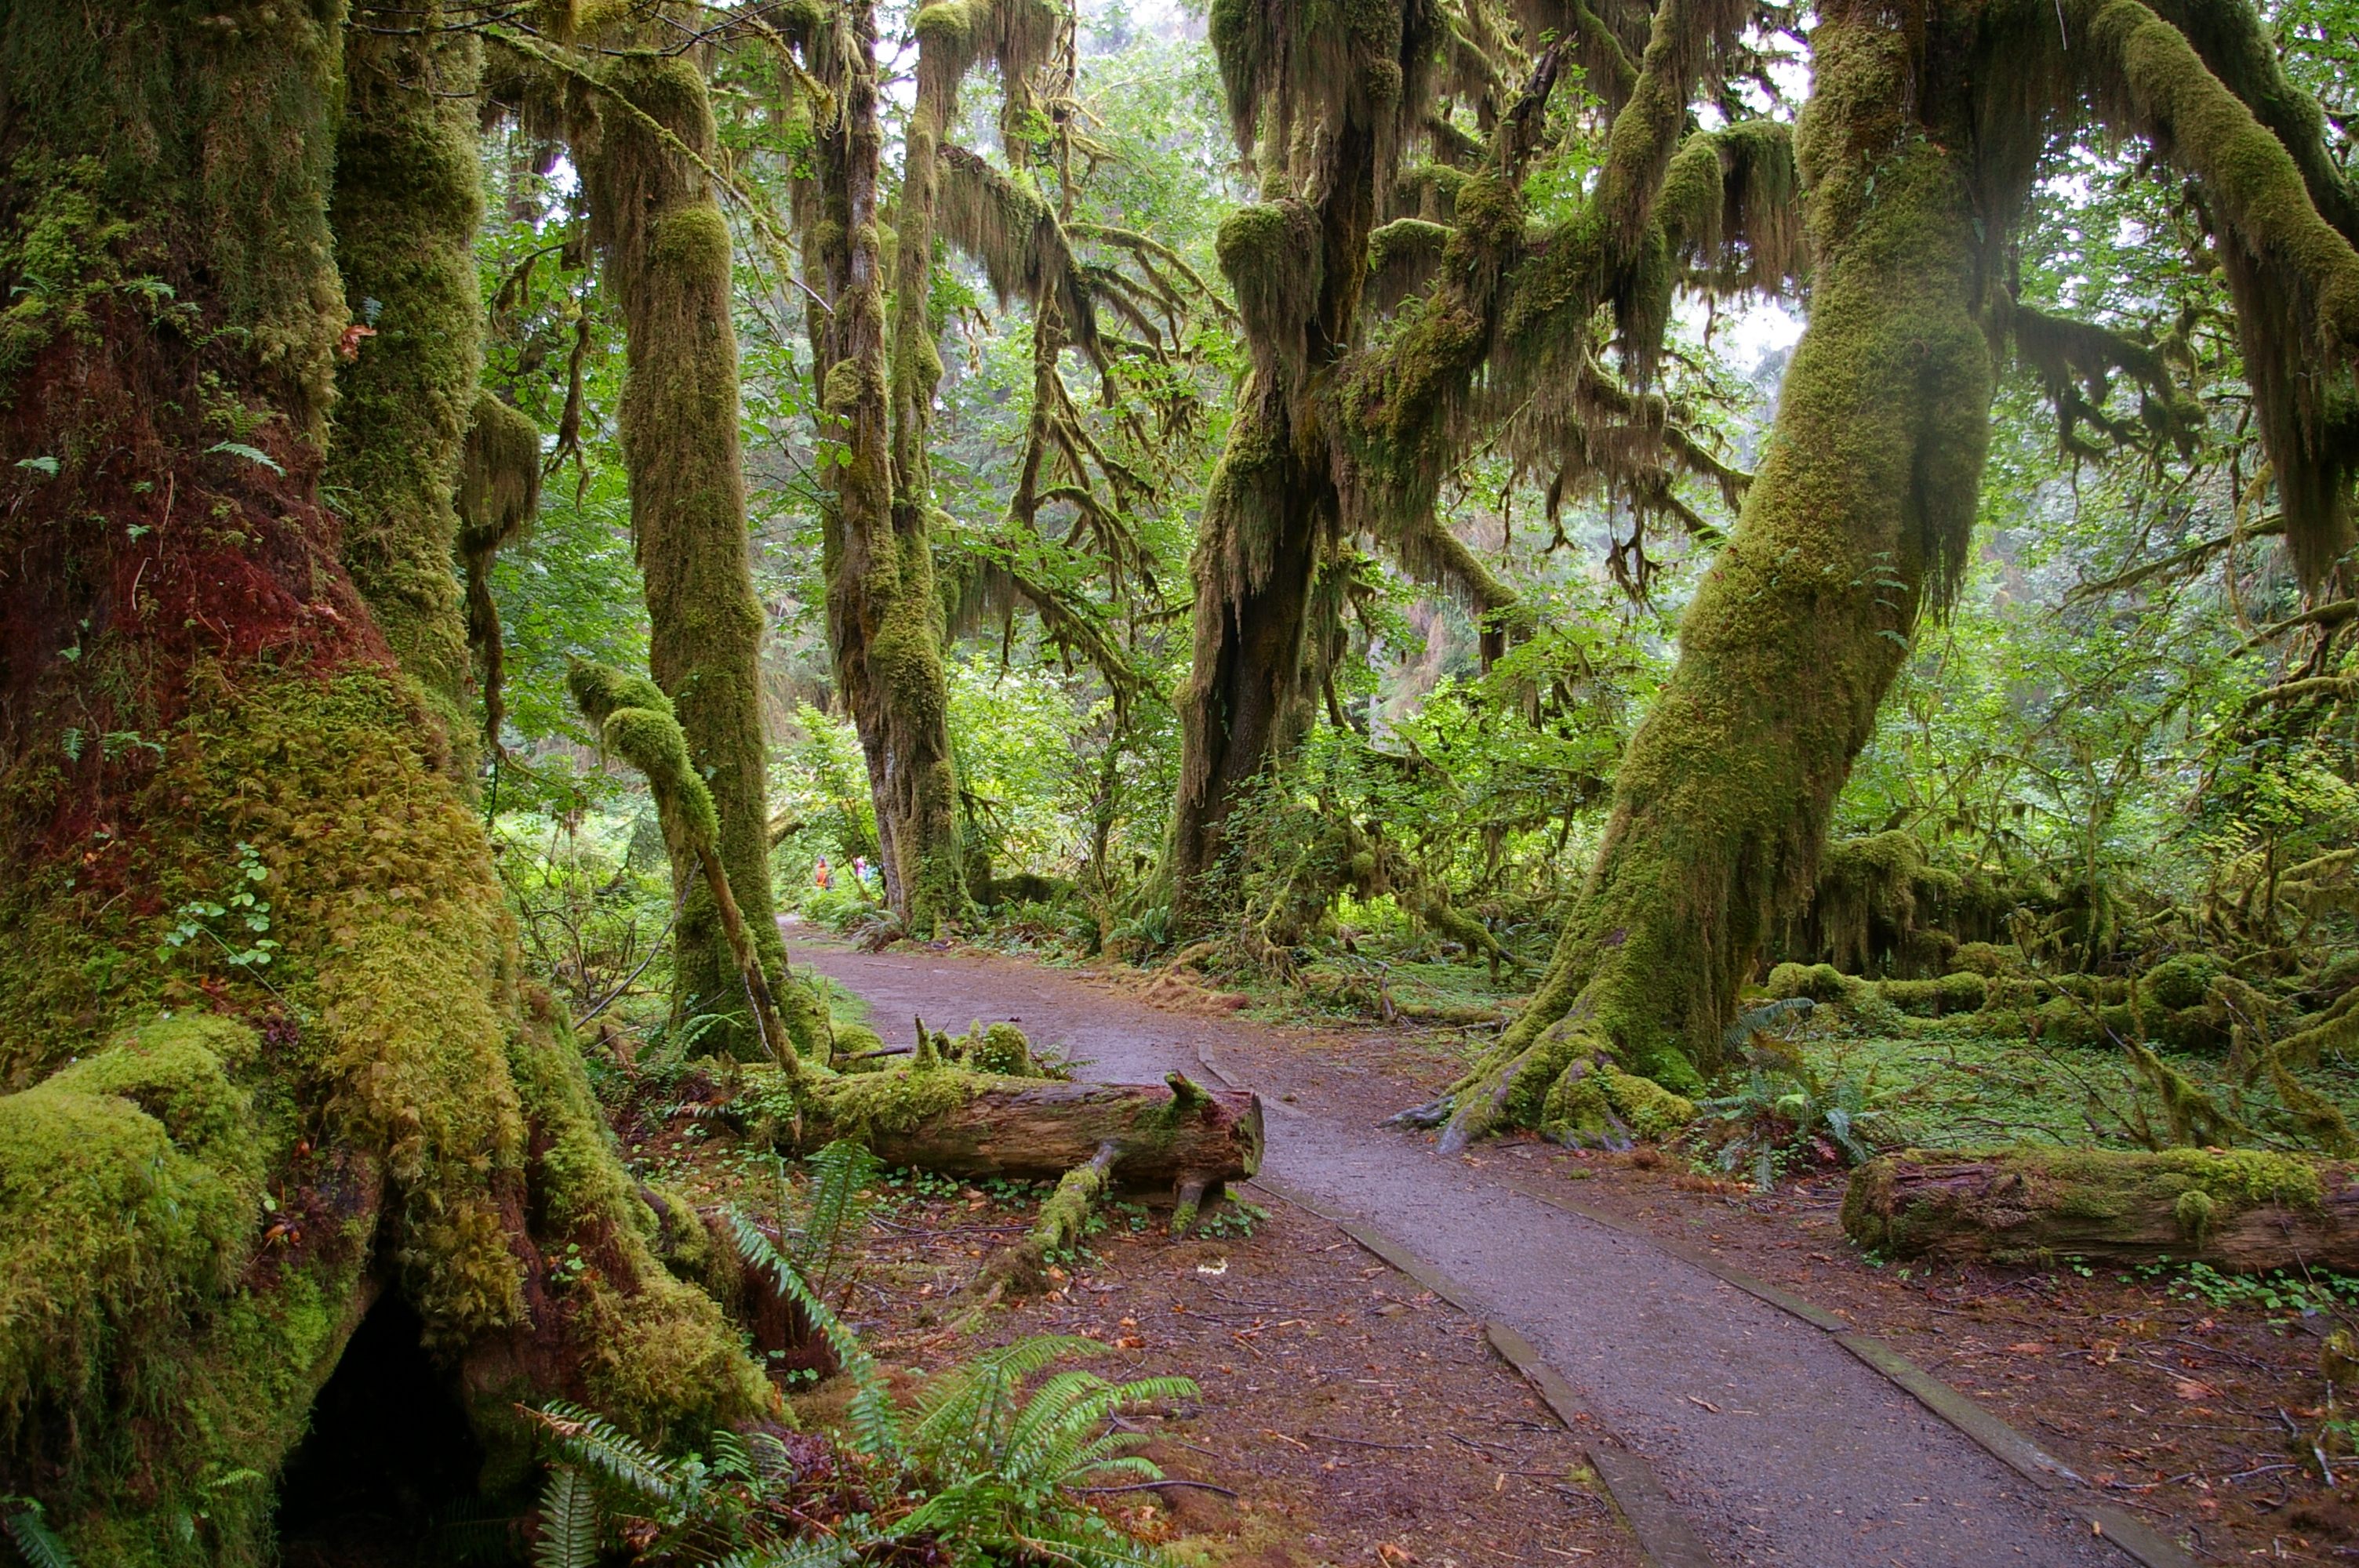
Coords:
pixel 732 1458
pixel 841 1200
pixel 33 1539
pixel 591 1442
pixel 869 1417
pixel 826 1552
pixel 568 1521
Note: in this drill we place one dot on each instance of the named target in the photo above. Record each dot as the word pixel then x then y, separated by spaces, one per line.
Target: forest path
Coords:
pixel 1773 1442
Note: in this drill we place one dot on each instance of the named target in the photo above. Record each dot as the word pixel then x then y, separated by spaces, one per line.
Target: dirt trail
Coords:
pixel 1778 1446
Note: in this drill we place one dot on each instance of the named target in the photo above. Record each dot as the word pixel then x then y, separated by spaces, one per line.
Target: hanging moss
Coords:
pixel 2285 263
pixel 499 490
pixel 406 203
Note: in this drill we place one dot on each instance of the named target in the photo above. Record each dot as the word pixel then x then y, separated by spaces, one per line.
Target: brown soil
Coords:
pixel 1346 1416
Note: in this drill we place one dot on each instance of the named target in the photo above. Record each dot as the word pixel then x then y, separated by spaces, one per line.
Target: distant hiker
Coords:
pixel 861 871
pixel 821 878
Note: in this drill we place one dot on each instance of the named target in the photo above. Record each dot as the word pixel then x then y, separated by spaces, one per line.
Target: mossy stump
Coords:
pixel 2240 1210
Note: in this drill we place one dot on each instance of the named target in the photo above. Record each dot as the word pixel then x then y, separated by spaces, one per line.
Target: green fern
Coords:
pixel 828 1551
pixel 35 1541
pixel 568 1521
pixel 841 1200
pixel 868 1417
pixel 593 1443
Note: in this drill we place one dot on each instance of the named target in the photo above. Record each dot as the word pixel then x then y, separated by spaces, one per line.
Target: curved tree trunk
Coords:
pixel 643 141
pixel 1865 499
pixel 882 609
pixel 211 1165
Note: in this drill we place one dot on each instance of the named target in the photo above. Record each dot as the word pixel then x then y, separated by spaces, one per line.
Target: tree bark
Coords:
pixel 964 1124
pixel 212 1164
pixel 1866 497
pixel 1271 515
pixel 644 138
pixel 2237 1210
pixel 406 203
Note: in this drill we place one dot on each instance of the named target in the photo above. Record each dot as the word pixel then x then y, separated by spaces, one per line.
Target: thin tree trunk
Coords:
pixel 644 144
pixel 210 1166
pixel 1866 496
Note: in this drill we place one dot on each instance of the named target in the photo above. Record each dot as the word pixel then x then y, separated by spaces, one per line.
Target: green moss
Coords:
pixel 2180 982
pixel 862 1105
pixel 406 203
pixel 2193 1211
pixel 1860 511
pixel 1590 1102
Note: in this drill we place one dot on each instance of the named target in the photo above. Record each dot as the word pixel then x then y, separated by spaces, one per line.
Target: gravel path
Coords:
pixel 1778 1445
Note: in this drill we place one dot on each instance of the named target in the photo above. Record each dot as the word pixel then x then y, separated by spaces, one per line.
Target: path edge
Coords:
pixel 1664 1535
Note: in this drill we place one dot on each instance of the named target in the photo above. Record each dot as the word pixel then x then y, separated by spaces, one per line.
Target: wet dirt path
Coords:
pixel 1777 1447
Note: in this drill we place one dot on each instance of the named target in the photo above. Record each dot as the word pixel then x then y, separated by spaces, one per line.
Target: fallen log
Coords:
pixel 2241 1210
pixel 963 1123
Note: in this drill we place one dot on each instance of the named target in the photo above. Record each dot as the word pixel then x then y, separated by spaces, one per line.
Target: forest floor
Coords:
pixel 2173 1398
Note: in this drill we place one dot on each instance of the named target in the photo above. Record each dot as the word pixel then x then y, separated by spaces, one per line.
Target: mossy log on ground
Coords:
pixel 973 1124
pixel 2241 1210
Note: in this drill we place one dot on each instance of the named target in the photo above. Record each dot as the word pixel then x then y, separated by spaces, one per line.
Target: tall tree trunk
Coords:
pixel 210 1165
pixel 645 141
pixel 1865 500
pixel 882 605
pixel 1271 511
pixel 406 203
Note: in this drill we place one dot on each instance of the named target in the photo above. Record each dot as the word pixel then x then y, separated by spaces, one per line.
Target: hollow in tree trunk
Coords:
pixel 266 1056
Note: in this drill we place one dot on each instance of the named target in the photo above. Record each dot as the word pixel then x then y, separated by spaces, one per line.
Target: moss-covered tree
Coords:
pixel 1916 149
pixel 407 201
pixel 215 1154
pixel 641 123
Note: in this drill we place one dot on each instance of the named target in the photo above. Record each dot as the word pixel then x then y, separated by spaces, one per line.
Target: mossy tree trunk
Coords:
pixel 645 139
pixel 882 609
pixel 1298 261
pixel 210 1165
pixel 406 203
pixel 1863 504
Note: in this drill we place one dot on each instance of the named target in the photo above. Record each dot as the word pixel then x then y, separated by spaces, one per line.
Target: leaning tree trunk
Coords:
pixel 644 138
pixel 406 203
pixel 1866 497
pixel 215 1154
pixel 1270 513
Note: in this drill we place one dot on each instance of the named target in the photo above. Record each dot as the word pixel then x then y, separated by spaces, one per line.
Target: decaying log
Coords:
pixel 2242 1209
pixel 963 1123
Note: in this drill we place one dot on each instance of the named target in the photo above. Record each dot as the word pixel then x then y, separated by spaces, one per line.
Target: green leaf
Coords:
pixel 568 1521
pixel 251 454
pixel 46 466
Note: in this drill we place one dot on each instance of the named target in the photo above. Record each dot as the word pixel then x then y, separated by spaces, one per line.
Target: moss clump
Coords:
pixel 128 1181
pixel 1988 959
pixel 2194 1212
pixel 1599 1103
pixel 1819 982
pixel 2180 982
pixel 1001 1050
